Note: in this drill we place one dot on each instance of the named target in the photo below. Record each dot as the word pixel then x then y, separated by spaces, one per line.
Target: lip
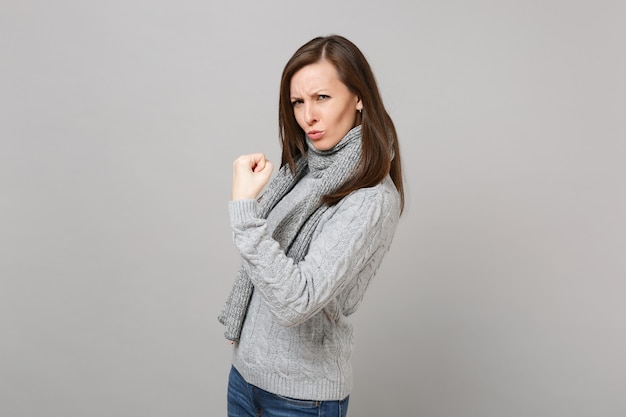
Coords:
pixel 315 134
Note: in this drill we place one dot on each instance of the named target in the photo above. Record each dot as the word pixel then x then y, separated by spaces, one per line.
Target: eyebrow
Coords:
pixel 323 91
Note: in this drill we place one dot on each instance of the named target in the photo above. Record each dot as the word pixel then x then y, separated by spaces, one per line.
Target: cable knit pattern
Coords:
pixel 331 169
pixel 296 340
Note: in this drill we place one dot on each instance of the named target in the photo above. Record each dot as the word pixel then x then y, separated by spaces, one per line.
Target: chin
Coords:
pixel 324 145
pixel 320 146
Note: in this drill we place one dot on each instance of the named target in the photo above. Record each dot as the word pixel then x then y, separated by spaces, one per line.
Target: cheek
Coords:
pixel 348 116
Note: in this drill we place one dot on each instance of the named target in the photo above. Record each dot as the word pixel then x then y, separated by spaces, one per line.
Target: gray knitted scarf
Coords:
pixel 295 230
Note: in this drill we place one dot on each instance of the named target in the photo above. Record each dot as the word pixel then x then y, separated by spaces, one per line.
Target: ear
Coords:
pixel 359 104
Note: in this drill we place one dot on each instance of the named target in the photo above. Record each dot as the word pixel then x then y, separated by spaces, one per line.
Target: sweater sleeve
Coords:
pixel 357 233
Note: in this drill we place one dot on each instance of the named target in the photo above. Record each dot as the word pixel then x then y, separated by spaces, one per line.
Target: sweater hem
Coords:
pixel 301 389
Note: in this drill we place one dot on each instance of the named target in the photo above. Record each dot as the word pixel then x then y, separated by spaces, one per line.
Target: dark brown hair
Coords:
pixel 381 151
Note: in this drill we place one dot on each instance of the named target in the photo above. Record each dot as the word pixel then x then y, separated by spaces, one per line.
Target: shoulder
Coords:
pixel 377 206
pixel 383 196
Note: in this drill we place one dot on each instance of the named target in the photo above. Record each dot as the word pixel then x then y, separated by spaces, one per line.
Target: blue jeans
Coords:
pixel 246 400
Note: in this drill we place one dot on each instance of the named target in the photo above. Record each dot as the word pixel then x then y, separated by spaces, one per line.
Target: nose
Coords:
pixel 310 115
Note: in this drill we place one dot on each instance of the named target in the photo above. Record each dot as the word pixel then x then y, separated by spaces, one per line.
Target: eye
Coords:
pixel 322 97
pixel 296 102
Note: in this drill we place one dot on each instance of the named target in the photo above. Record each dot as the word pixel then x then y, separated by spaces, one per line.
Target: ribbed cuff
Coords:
pixel 242 211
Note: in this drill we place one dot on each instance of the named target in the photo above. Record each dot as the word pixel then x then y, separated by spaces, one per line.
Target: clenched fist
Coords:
pixel 250 174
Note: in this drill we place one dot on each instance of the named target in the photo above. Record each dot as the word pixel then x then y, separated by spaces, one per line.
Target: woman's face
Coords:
pixel 323 106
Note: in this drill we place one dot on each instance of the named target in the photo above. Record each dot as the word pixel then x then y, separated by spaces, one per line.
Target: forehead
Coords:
pixel 322 74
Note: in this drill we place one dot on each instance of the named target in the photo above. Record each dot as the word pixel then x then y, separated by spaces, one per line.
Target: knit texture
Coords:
pixel 294 231
pixel 296 339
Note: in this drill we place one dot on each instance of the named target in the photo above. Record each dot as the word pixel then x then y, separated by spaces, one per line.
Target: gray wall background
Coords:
pixel 503 294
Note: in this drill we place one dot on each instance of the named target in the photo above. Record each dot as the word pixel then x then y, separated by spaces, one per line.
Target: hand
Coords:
pixel 250 174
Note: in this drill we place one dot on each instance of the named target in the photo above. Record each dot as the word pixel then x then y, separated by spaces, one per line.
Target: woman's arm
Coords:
pixel 351 235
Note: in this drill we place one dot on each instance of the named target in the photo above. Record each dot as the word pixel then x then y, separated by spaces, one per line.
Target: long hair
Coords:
pixel 381 151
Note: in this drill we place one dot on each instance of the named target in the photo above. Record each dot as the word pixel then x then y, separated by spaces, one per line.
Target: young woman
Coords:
pixel 313 240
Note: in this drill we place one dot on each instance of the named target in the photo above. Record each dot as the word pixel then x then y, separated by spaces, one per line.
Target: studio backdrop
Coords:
pixel 502 294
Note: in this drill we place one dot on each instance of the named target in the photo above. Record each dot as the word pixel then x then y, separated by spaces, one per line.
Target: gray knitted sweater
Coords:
pixel 296 340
